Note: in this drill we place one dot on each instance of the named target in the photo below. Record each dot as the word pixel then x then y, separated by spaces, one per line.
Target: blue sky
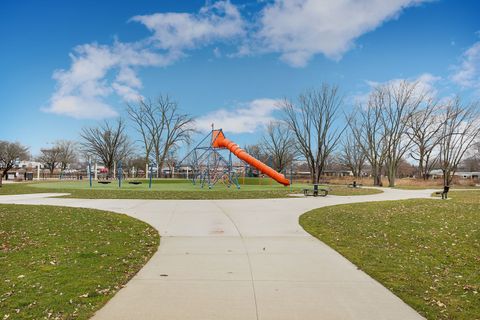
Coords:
pixel 69 64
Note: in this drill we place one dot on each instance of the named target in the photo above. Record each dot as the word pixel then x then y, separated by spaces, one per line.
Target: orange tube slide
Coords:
pixel 219 141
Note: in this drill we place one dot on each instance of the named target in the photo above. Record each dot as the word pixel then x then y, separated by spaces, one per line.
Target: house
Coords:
pixel 438 173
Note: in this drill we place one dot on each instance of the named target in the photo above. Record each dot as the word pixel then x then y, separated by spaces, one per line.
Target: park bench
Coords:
pixel 135 182
pixel 355 185
pixel 444 192
pixel 315 191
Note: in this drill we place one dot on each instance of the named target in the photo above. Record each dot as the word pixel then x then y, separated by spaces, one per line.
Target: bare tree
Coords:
pixel 10 152
pixel 68 152
pixel 108 142
pixel 177 128
pixel 312 123
pixel 352 155
pixel 278 143
pixel 162 127
pixel 424 131
pixel 143 116
pixel 471 163
pixel 50 157
pixel 170 160
pixel 460 129
pixel 367 129
pixel 399 102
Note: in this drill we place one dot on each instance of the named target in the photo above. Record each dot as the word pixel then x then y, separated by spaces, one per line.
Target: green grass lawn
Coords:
pixel 171 189
pixel 426 251
pixel 65 263
pixel 436 187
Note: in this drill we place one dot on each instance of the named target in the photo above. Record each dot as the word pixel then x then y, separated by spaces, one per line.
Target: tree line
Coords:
pixel 396 121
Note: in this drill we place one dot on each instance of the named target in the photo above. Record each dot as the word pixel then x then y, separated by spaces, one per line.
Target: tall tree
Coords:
pixel 367 129
pixel 10 152
pixel 424 131
pixel 50 157
pixel 68 152
pixel 177 128
pixel 398 102
pixel 162 127
pixel 312 123
pixel 108 142
pixel 460 129
pixel 143 117
pixel 352 155
pixel 278 143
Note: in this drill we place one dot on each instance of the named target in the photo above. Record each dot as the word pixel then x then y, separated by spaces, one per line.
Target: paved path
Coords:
pixel 242 259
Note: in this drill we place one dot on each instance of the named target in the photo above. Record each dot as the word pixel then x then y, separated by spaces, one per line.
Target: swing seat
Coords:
pixel 104 182
pixel 135 182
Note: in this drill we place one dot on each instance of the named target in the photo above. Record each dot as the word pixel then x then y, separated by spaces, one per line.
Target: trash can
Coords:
pixel 315 190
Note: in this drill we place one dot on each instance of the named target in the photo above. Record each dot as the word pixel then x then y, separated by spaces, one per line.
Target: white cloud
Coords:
pixel 81 107
pixel 300 29
pixel 98 72
pixel 426 83
pixel 297 29
pixel 245 118
pixel 179 31
pixel 467 74
pixel 82 89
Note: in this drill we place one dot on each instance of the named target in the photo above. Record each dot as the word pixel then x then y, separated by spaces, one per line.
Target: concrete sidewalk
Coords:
pixel 242 259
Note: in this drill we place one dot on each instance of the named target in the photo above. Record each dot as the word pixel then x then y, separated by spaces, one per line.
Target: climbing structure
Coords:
pixel 211 162
pixel 210 165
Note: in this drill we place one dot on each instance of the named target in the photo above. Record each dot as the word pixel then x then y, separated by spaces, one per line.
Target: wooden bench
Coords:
pixel 315 191
pixel 444 192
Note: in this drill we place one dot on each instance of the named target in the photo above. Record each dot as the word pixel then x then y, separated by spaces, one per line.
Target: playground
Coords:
pixel 253 188
pixel 250 255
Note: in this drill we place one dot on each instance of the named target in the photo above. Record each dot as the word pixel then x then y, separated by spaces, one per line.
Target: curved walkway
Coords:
pixel 242 259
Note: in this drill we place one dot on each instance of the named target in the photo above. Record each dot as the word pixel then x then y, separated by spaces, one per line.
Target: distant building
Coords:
pixel 438 173
pixel 29 165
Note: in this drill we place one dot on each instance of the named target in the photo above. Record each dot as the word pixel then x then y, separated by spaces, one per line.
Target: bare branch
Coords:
pixel 312 125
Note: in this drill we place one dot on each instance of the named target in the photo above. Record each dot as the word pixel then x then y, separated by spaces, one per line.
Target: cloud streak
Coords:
pixel 467 73
pixel 244 118
pixel 425 84
pixel 301 29
pixel 99 72
pixel 295 29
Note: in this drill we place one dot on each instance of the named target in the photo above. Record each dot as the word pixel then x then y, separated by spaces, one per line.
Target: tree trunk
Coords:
pixel 391 179
pixel 157 159
pixel 391 174
pixel 421 169
pixel 313 176
pixel 5 172
pixel 377 176
pixel 447 177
